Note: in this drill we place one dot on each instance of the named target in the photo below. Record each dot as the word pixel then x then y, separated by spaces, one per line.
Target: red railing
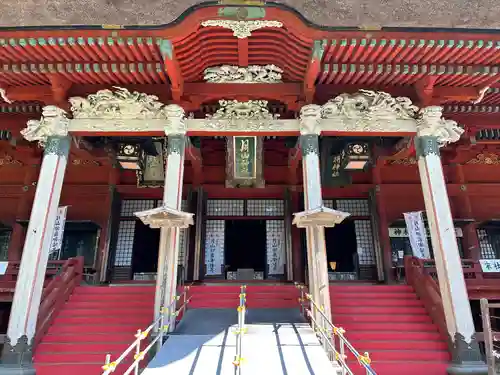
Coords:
pixel 427 289
pixel 56 293
pixel 9 278
pixel 472 269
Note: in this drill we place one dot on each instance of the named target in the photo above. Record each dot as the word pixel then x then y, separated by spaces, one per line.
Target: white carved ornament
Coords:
pixel 53 122
pixel 376 111
pixel 430 122
pixel 242 29
pixel 252 115
pixel 367 104
pixel 238 74
pixel 118 104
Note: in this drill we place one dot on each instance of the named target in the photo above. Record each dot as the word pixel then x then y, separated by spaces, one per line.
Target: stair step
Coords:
pixel 108 327
pixel 112 290
pixel 276 303
pixel 123 304
pixel 105 311
pixel 378 310
pixel 76 357
pixel 374 295
pixel 372 288
pixel 406 368
pixel 408 328
pixel 75 369
pixel 355 301
pixel 217 296
pixel 340 319
pixel 281 296
pixel 220 304
pixel 141 321
pixel 89 338
pixel 83 347
pixel 406 355
pixel 369 345
pixel 356 335
pixel 127 297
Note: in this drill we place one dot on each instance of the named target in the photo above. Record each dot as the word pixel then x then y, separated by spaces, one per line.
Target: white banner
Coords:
pixel 417 234
pixel 275 247
pixel 214 247
pixel 58 234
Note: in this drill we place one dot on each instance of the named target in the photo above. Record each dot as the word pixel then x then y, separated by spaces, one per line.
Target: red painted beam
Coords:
pixel 199 93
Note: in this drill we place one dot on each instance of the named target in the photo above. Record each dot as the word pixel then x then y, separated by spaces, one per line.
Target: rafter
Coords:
pixel 172 69
pixel 313 69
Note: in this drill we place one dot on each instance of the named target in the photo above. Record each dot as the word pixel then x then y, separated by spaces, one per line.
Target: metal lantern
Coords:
pixel 129 156
pixel 356 156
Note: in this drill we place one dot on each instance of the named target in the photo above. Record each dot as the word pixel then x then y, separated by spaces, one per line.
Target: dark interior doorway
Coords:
pixel 145 250
pixel 245 245
pixel 341 246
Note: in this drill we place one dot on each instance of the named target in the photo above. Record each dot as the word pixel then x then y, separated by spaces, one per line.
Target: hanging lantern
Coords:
pixel 356 156
pixel 129 156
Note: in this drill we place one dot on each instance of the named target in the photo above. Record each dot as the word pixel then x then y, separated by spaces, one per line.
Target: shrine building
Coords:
pixel 242 143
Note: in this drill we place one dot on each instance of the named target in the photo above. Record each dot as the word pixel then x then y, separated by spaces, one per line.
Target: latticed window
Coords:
pixel 4 244
pixel 489 242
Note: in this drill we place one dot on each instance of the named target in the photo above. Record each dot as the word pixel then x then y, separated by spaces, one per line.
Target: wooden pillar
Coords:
pixel 16 243
pixel 297 259
pixel 313 199
pixel 109 227
pixel 17 351
pixel 168 253
pixel 466 357
pixel 383 225
pixel 470 242
pixel 199 257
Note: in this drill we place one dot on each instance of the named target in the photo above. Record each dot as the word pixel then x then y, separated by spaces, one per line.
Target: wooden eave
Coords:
pixel 317 61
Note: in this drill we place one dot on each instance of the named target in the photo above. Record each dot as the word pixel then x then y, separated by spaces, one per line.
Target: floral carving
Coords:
pixel 242 29
pixel 252 115
pixel 430 123
pixel 369 105
pixel 53 123
pixel 485 158
pixel 238 74
pixel 405 161
pixel 118 104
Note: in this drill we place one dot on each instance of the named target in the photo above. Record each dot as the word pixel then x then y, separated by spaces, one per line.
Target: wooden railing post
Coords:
pixel 488 336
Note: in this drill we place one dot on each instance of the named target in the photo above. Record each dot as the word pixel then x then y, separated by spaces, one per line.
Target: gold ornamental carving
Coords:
pixel 486 158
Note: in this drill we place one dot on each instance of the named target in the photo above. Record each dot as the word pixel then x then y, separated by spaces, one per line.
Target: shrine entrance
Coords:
pixel 145 250
pixel 245 249
pixel 341 251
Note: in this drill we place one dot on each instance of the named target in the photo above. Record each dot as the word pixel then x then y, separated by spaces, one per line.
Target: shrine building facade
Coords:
pixel 241 142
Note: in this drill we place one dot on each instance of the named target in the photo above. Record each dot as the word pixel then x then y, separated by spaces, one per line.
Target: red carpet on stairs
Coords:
pixel 104 319
pixel 390 323
pixel 95 321
pixel 258 296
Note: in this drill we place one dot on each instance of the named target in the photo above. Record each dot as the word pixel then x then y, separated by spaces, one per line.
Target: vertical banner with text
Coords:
pixel 58 234
pixel 417 234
